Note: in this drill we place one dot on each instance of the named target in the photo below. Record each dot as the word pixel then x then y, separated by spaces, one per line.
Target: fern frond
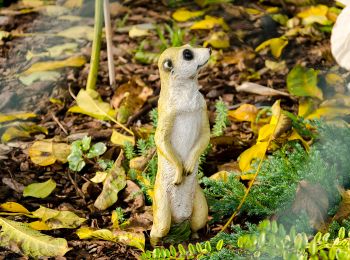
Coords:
pixel 221 120
pixel 29 241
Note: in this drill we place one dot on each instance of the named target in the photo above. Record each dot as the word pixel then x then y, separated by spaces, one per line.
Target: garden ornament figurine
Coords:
pixel 181 137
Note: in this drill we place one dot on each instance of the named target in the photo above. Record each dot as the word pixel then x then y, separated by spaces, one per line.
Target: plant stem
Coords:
pixel 96 46
pixel 109 34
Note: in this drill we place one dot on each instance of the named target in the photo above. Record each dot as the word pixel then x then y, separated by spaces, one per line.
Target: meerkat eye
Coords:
pixel 167 65
pixel 187 54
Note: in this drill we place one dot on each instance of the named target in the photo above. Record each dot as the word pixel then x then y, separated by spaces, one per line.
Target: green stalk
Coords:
pixel 96 46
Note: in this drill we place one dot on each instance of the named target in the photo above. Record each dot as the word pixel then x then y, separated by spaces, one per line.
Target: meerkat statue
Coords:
pixel 181 136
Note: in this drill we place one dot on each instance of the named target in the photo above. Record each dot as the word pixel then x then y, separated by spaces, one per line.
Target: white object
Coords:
pixel 340 39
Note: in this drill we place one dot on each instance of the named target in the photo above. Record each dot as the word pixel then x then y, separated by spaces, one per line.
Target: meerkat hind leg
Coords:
pixel 161 215
pixel 199 216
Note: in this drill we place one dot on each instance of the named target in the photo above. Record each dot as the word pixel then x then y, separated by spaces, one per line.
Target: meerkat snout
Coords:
pixel 183 62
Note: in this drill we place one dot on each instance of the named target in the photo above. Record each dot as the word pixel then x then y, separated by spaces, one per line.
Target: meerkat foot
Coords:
pixel 194 235
pixel 155 241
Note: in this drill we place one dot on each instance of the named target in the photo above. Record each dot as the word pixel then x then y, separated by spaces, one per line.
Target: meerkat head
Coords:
pixel 182 63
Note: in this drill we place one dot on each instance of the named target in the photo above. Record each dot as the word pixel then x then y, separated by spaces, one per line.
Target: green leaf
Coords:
pixel 220 244
pixel 22 130
pixel 76 161
pixel 39 190
pixel 85 143
pixel 302 82
pixel 29 241
pixel 97 150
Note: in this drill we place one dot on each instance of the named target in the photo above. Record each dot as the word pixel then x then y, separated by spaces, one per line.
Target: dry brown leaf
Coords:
pixel 312 199
pixel 344 207
pixel 133 196
pixel 258 89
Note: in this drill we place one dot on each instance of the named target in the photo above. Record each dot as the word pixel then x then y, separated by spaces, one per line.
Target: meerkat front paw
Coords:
pixel 189 167
pixel 178 176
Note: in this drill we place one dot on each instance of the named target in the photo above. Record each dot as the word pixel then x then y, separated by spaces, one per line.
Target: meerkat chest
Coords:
pixel 187 124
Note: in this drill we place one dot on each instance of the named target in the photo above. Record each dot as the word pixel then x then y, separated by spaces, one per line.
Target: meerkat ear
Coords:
pixel 167 65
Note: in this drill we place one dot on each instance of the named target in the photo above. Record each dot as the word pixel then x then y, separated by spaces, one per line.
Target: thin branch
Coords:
pixel 109 36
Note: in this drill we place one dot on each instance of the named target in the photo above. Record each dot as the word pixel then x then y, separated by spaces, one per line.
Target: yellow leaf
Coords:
pixel 329 112
pixel 76 61
pixel 296 136
pixel 137 32
pixel 39 225
pixel 220 176
pixel 306 106
pixel 182 14
pixel 265 132
pixel 209 23
pixel 218 40
pixel 73 3
pixel 130 238
pixel 78 32
pixel 13 207
pixel 46 152
pixel 23 130
pixel 32 3
pixel 88 233
pixel 257 151
pixel 247 177
pixel 99 177
pixel 245 112
pixel 315 14
pixel 90 103
pixel 15 116
pixel 276 46
pixel 120 139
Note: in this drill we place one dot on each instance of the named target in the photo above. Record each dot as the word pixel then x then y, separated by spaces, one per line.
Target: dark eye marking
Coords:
pixel 187 54
pixel 167 65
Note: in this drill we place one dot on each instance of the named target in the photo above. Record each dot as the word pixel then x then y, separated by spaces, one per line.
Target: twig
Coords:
pixel 77 189
pixel 59 123
pixel 109 36
pixel 96 46
pixel 252 181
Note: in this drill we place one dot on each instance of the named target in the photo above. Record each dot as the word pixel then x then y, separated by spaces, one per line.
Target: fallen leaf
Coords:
pixel 141 220
pixel 183 14
pixel 55 51
pixel 39 225
pixel 276 46
pixel 257 151
pixel 130 97
pixel 209 23
pixel 90 103
pixel 245 112
pixel 219 40
pixel 315 14
pixel 114 182
pixel 344 206
pixel 340 39
pixel 120 139
pixel 302 82
pixel 306 106
pixel 137 32
pixel 295 136
pixel 13 207
pixel 47 152
pixel 32 3
pixel 133 196
pixel 16 116
pixel 39 190
pixel 56 219
pixel 78 32
pixel 312 199
pixel 73 3
pixel 131 239
pixel 53 10
pixel 220 176
pixel 76 61
pixel 22 130
pixel 39 76
pixel 329 112
pixel 276 66
pixel 258 89
pixel 99 177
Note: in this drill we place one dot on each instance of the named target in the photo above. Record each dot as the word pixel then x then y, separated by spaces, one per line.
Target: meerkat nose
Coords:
pixel 209 51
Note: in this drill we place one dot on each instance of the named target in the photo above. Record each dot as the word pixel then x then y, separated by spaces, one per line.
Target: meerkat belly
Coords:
pixel 185 133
